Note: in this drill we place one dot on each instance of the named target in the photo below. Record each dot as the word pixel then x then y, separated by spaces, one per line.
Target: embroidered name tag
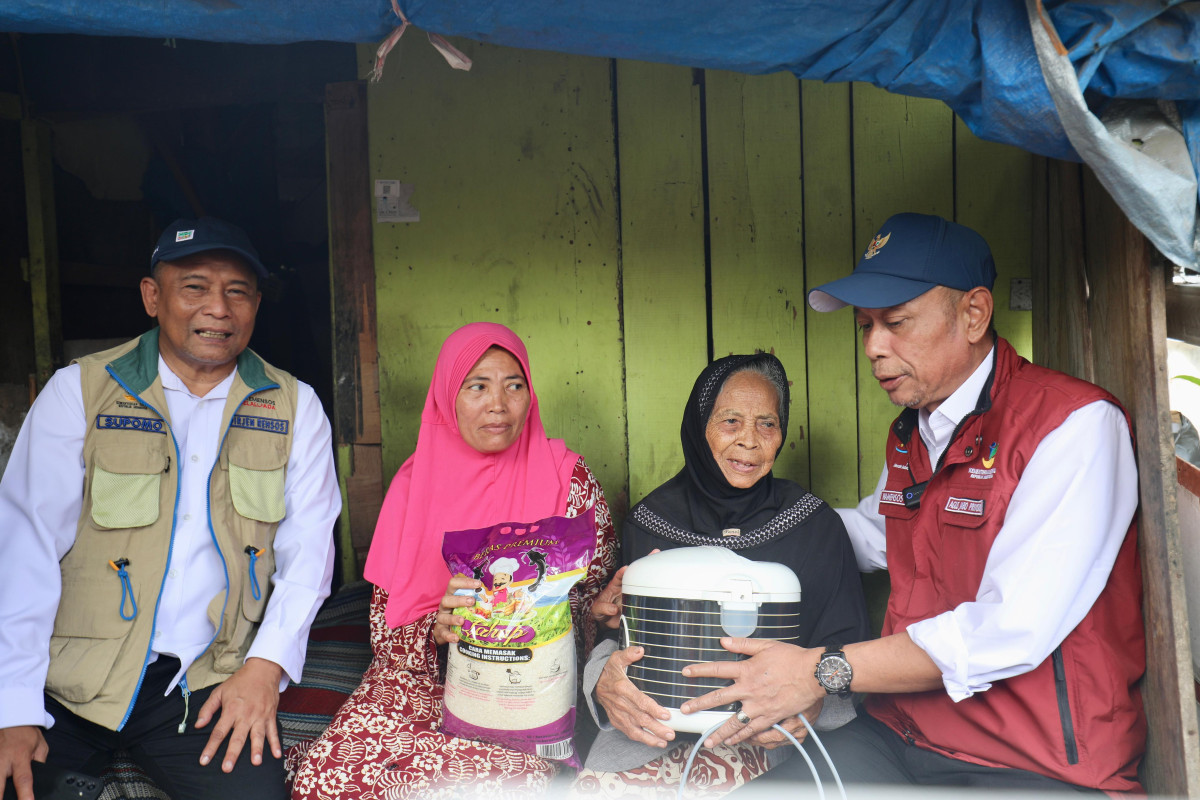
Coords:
pixel 259 423
pixel 113 422
pixel 893 498
pixel 965 505
pixel 259 402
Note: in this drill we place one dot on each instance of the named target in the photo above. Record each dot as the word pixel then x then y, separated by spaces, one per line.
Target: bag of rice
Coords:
pixel 510 680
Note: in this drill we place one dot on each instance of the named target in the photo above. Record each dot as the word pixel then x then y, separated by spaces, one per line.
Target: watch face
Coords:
pixel 833 672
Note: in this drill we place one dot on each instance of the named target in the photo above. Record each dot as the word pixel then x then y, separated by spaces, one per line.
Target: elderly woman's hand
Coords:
pixel 447 619
pixel 629 709
pixel 606 608
pixel 771 738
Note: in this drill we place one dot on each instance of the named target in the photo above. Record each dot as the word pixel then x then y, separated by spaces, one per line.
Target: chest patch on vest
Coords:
pixel 892 497
pixel 982 474
pixel 965 505
pixel 254 401
pixel 129 401
pixel 259 423
pixel 114 422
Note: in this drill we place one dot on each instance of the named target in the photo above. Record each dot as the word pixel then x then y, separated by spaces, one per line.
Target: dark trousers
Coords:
pixel 170 758
pixel 867 751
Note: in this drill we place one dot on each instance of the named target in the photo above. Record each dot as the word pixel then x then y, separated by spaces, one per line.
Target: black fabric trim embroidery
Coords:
pixel 783 522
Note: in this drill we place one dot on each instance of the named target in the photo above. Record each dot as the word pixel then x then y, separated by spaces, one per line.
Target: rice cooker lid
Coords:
pixel 710 573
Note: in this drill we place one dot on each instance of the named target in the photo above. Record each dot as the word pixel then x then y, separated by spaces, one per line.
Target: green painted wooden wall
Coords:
pixel 626 217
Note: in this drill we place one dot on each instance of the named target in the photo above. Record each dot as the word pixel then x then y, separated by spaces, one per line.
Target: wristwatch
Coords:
pixel 833 671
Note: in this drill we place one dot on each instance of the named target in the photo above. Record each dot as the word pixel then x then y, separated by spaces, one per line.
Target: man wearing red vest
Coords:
pixel 1013 642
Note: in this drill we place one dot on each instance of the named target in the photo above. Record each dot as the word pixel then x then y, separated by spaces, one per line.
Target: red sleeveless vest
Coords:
pixel 1078 715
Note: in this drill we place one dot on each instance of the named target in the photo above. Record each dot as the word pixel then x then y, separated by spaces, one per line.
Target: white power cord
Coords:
pixel 687 767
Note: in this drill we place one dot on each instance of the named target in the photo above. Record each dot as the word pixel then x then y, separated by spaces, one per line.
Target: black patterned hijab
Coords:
pixel 699 497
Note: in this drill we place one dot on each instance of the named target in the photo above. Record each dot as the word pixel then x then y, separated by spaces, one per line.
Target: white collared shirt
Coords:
pixel 1062 531
pixel 41 497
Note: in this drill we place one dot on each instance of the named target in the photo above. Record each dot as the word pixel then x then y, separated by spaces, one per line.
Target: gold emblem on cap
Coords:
pixel 876 245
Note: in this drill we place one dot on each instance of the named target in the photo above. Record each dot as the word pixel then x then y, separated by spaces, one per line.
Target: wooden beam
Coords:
pixel 1129 331
pixel 43 247
pixel 355 354
pixel 1106 296
pixel 1065 321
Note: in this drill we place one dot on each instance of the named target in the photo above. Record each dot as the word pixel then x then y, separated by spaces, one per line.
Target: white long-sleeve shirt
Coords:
pixel 41 496
pixel 1052 557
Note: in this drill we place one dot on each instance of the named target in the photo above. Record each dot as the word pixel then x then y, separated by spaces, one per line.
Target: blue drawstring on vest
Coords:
pixel 254 553
pixel 126 588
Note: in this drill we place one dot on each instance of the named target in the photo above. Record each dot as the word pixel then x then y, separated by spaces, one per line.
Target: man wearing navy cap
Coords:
pixel 166 514
pixel 1013 641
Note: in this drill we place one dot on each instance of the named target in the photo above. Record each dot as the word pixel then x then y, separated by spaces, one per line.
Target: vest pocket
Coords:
pixel 126 486
pixel 237 632
pixel 965 539
pixel 87 638
pixel 257 476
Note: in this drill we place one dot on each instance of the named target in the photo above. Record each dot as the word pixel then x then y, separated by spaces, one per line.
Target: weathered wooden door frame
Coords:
pixel 357 433
pixel 1100 314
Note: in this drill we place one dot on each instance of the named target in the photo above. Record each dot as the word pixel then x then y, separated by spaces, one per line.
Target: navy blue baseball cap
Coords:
pixel 911 254
pixel 186 237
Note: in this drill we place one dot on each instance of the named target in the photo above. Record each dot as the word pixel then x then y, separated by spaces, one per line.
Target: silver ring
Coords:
pixel 743 718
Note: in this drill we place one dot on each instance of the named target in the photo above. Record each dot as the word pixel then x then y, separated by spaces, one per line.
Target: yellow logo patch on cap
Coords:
pixel 183 236
pixel 876 245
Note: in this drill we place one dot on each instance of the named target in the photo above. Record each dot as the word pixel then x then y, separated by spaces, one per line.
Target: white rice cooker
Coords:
pixel 679 603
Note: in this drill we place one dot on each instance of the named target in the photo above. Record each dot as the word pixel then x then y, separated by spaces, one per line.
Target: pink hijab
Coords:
pixel 447 485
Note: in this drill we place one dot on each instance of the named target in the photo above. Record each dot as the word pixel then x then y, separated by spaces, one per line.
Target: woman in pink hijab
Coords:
pixel 482 457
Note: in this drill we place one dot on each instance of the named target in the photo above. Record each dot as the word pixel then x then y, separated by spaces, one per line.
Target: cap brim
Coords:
pixel 866 290
pixel 184 252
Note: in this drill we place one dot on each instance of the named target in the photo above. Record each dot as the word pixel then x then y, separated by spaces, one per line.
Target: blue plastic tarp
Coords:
pixel 975 55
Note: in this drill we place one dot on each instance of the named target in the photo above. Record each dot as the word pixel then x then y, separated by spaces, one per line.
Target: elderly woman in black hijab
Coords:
pixel 734 426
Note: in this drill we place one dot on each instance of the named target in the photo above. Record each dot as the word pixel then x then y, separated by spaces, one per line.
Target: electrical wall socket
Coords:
pixel 1020 294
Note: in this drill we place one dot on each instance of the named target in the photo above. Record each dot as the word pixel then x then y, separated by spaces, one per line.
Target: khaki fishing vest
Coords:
pixel 100 645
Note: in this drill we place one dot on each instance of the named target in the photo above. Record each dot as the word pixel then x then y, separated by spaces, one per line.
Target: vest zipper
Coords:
pixel 170 547
pixel 208 510
pixel 1064 706
pixel 187 695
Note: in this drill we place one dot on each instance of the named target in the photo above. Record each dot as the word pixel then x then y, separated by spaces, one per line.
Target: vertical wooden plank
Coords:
pixel 756 245
pixel 992 189
pixel 663 271
pixel 514 176
pixel 1128 302
pixel 1039 258
pixel 1069 329
pixel 38 166
pixel 352 284
pixel 903 161
pixel 829 254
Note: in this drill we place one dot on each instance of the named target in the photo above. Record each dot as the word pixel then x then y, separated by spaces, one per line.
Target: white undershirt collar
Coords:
pixel 937 428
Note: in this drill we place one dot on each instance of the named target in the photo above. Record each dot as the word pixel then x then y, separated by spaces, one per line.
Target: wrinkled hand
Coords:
pixel 247 700
pixel 606 608
pixel 775 683
pixel 20 745
pixel 447 620
pixel 771 738
pixel 629 709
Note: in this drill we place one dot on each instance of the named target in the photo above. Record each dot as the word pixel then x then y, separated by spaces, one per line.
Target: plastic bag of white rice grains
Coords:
pixel 510 680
